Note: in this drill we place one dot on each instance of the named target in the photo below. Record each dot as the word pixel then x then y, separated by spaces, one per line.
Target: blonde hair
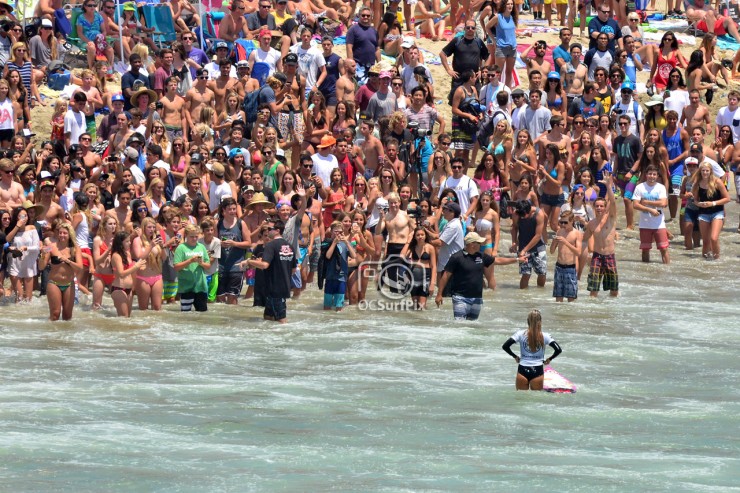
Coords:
pixel 712 182
pixel 16 45
pixel 60 223
pixel 206 115
pixel 143 51
pixel 535 339
pixel 97 197
pixel 192 228
pixel 60 106
pixel 153 259
pixel 155 181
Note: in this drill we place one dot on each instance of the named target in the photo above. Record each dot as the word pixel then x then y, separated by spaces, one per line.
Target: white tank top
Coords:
pixel 7 115
pixel 82 231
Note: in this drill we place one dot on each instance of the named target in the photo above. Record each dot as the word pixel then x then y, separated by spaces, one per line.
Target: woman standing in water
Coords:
pixel 532 341
pixel 65 258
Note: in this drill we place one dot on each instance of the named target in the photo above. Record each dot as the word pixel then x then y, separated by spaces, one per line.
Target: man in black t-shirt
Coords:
pixel 279 260
pixel 628 149
pixel 466 268
pixel 467 52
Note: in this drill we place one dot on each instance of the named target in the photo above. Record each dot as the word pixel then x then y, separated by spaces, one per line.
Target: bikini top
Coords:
pixel 483 225
pixel 555 104
pixel 424 256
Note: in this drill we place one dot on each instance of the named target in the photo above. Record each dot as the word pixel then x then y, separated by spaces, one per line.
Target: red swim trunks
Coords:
pixel 719 26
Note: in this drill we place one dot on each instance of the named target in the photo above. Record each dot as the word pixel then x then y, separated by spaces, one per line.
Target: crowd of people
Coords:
pixel 293 165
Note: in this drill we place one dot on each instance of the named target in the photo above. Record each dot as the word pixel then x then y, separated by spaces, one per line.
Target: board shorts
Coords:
pixel 230 283
pixel 676 179
pixel 531 372
pixel 212 281
pixel 199 301
pixel 466 308
pixel 708 218
pixel 505 52
pixel 313 260
pixel 627 187
pixel 334 294
pixel 719 26
pixel 660 236
pixel 552 200
pixel 536 2
pixel 566 281
pixel 169 289
pixel 537 260
pixel 275 308
pixel 91 127
pixel 296 281
pixel 285 126
pixel 173 132
pixel 603 271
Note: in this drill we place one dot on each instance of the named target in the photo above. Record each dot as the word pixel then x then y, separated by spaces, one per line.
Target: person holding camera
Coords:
pixel 527 231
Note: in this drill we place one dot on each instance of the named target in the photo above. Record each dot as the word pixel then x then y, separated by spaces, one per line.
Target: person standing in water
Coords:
pixel 532 343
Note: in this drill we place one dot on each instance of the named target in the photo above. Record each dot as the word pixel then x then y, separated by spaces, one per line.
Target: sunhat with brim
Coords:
pixel 654 101
pixel 7 7
pixel 135 96
pixel 259 199
pixel 28 205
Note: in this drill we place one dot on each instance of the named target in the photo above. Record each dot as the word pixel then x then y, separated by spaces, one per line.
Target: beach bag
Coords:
pixel 328 27
pixel 59 80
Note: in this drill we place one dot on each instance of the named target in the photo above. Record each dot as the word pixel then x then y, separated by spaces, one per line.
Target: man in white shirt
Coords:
pixel 218 188
pixel 729 115
pixel 651 198
pixel 264 53
pixel 325 161
pixel 464 187
pixel 627 106
pixel 74 120
pixel 311 63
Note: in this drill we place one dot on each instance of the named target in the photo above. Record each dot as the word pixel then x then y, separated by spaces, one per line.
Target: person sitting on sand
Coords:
pixel 709 21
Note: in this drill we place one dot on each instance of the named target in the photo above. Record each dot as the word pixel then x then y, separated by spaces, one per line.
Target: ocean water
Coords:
pixel 385 402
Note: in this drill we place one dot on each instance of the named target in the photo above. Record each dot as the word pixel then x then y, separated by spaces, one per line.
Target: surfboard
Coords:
pixel 555 382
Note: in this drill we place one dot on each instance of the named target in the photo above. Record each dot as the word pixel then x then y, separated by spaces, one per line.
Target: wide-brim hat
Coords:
pixel 7 6
pixel 135 96
pixel 28 205
pixel 258 199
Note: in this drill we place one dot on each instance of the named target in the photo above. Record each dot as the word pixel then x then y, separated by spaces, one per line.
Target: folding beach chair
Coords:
pixel 160 18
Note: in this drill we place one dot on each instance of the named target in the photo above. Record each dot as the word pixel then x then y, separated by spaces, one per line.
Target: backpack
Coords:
pixel 250 105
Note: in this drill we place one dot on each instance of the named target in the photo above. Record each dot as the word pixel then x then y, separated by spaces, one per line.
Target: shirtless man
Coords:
pixel 696 114
pixel 399 227
pixel 557 137
pixel 568 243
pixel 121 212
pixel 172 113
pixel 89 157
pixel 537 62
pixel 184 14
pixel 574 74
pixel 197 97
pixel 709 21
pixel 602 228
pixel 372 149
pixel 11 192
pixel 346 84
pixel 311 9
pixel 222 85
pixel 52 211
pixel 234 24
pixel 246 83
pixel 46 8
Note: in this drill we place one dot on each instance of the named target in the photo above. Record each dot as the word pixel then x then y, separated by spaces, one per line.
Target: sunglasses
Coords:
pixel 470 28
pixel 188 38
pixel 445 143
pixel 634 20
pixel 624 124
pixel 306 166
pixel 579 193
pixel 85 138
pixel 267 153
pixel 456 167
pixel 359 184
pixel 387 177
pixel 203 77
pixel 606 11
pixel 397 84
pixel 563 223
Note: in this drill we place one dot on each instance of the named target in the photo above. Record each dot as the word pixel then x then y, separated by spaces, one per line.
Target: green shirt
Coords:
pixel 191 279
